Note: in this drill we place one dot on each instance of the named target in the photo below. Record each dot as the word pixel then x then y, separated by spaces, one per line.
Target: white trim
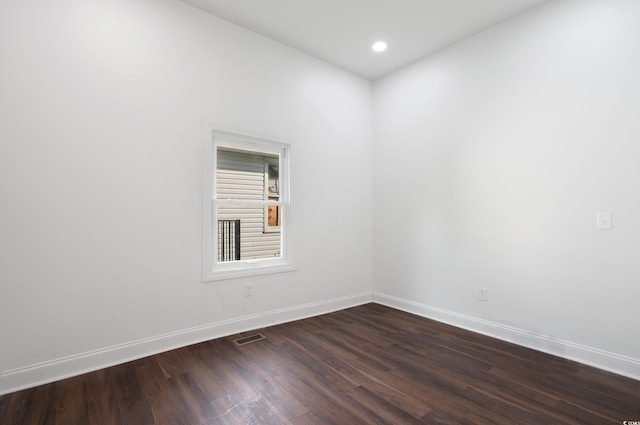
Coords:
pixel 612 362
pixel 250 268
pixel 42 373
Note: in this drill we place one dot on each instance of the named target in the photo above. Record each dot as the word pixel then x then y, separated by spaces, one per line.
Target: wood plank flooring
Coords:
pixel 364 365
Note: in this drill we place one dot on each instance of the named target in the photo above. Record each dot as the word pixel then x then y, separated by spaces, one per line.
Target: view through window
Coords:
pixel 248 209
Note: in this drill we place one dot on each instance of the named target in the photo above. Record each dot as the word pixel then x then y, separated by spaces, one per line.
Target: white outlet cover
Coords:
pixel 482 294
pixel 604 220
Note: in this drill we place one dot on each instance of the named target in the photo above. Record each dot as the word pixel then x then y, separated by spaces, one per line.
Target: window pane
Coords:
pixel 241 235
pixel 248 223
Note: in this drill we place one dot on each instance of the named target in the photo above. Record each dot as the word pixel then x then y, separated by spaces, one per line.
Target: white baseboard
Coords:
pixel 612 362
pixel 42 373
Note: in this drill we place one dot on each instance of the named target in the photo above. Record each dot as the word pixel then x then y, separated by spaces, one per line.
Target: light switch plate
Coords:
pixel 604 220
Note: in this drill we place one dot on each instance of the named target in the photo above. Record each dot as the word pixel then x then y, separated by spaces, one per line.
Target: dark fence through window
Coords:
pixel 228 240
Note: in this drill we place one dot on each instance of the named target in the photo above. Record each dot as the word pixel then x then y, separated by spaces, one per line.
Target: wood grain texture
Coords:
pixel 364 365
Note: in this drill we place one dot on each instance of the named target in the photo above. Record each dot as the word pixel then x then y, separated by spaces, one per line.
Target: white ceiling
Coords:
pixel 342 31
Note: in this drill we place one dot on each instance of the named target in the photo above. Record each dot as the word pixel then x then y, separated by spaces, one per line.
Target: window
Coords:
pixel 246 217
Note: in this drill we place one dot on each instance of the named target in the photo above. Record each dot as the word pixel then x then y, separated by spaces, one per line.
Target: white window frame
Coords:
pixel 212 269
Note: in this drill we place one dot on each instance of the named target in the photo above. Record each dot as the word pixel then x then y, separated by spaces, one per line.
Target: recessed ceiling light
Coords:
pixel 379 46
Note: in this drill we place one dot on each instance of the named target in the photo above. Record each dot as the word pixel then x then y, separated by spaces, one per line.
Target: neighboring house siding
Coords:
pixel 242 176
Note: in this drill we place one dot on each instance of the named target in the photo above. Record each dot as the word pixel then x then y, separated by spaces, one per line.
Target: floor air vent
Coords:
pixel 249 339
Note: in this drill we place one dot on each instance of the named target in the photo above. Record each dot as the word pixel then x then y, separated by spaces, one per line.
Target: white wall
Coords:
pixel 102 110
pixel 491 159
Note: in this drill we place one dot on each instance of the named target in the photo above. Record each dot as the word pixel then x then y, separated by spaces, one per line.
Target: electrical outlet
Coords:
pixel 482 294
pixel 248 289
pixel 604 220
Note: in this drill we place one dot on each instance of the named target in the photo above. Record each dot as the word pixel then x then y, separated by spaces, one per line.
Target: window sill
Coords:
pixel 247 268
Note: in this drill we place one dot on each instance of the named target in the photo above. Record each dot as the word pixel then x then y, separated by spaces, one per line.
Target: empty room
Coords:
pixel 304 212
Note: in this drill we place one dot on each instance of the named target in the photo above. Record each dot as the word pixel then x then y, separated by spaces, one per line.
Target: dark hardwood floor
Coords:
pixel 365 365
